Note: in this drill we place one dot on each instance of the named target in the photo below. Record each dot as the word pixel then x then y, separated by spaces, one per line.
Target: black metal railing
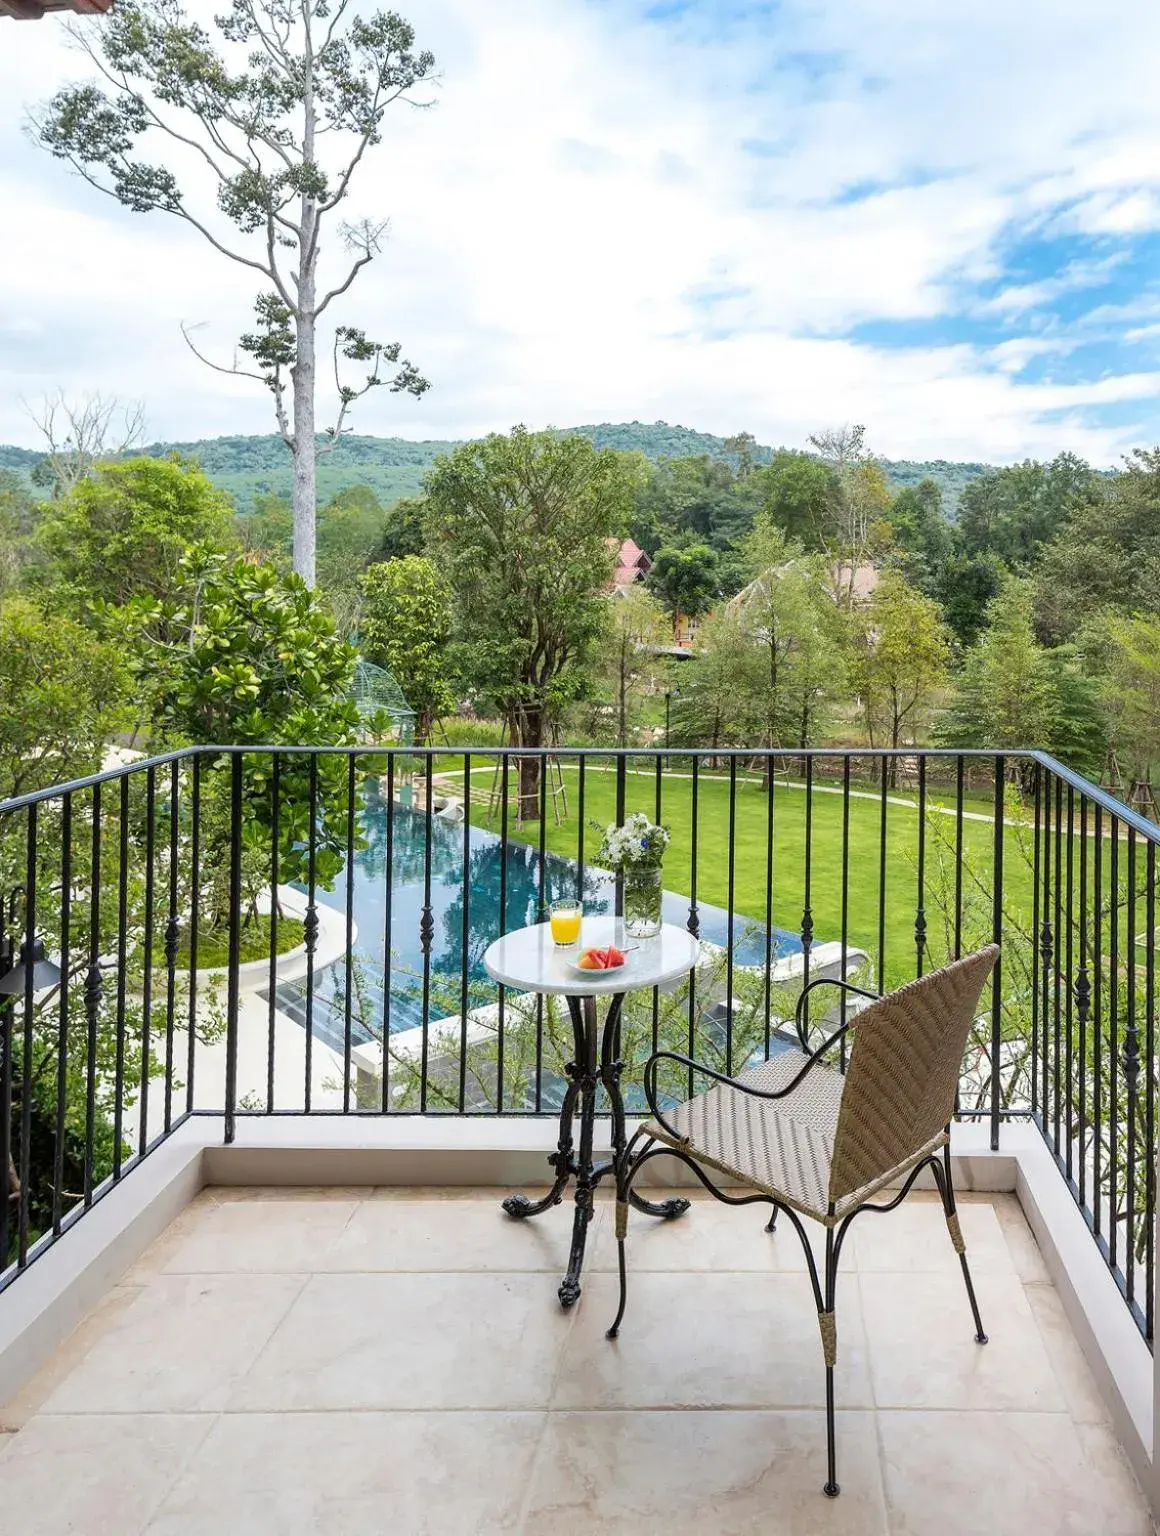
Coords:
pixel 249 931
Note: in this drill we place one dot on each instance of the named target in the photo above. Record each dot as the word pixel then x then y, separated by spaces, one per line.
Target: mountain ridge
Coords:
pixel 258 464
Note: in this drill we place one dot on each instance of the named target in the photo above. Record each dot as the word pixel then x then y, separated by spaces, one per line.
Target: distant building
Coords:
pixel 33 10
pixel 632 564
pixel 860 586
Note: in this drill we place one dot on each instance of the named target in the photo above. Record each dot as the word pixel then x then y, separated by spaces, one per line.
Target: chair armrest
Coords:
pixel 650 1078
pixel 825 981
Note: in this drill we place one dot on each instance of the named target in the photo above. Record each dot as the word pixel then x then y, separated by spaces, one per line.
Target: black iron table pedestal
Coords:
pixel 585 1075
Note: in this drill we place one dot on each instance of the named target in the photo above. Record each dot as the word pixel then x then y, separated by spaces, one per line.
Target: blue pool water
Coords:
pixel 402 979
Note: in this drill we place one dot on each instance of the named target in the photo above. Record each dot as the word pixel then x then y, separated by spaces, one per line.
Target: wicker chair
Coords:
pixel 812 1141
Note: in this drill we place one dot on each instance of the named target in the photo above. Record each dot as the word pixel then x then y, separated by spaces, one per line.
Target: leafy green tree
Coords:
pixel 797 492
pixel 1130 687
pixel 277 143
pixel 243 654
pixel 125 529
pixel 963 586
pixel 1016 693
pixel 853 531
pixel 16 517
pixel 520 526
pixel 903 657
pixel 683 578
pixel 711 710
pixel 1106 554
pixel 63 694
pixel 636 631
pixel 921 532
pixel 405 626
pixel 1014 513
pixel 402 530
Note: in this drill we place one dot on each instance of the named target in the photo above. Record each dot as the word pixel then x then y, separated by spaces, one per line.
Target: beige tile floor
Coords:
pixel 367 1362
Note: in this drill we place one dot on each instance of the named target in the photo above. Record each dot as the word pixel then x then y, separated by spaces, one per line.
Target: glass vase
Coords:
pixel 642 902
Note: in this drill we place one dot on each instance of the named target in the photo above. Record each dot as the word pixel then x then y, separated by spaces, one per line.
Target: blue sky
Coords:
pixel 940 220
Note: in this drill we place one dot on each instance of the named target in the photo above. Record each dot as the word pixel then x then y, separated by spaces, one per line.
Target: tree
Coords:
pixel 902 665
pixel 797 494
pixel 711 710
pixel 1130 687
pixel 1006 695
pixel 402 530
pixel 853 529
pixel 280 110
pixel 684 577
pixel 405 626
pixel 125 529
pixel 963 586
pixel 16 519
pixel 1015 512
pixel 636 631
pixel 921 531
pixel 63 694
pixel 78 434
pixel 520 526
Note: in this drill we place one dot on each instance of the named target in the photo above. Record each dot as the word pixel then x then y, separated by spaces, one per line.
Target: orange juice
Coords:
pixel 565 921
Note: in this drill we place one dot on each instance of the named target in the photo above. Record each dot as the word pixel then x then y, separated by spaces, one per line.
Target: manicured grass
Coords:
pixel 849 858
pixel 213 948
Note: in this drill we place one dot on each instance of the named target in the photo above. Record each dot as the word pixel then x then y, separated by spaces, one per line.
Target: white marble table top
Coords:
pixel 529 960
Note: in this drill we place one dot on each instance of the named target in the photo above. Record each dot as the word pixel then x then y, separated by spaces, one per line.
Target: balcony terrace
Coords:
pixel 257 1274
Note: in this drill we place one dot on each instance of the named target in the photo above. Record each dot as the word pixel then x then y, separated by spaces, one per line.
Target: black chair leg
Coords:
pixel 947 1191
pixel 828 1324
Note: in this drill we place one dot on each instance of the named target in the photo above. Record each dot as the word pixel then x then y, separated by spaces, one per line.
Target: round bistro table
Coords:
pixel 528 960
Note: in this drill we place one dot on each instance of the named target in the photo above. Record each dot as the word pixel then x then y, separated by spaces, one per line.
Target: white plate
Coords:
pixel 590 973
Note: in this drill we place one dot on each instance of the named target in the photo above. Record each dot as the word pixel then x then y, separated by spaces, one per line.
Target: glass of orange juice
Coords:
pixel 564 917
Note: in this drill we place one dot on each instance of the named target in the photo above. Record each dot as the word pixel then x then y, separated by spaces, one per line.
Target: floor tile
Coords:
pixel 1005 1474
pixel 359 1474
pixel 709 1236
pixel 412 1341
pixel 914 1240
pixel 180 1347
pixel 1072 1371
pixel 95 1476
pixel 690 1474
pixel 434 1235
pixel 701 1340
pixel 922 1347
pixel 260 1236
pixel 35 1393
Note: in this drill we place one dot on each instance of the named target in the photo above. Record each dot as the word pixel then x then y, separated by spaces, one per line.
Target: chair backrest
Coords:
pixel 904 1071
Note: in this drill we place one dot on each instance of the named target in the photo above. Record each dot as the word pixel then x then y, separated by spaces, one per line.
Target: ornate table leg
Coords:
pixel 583 1011
pixel 611 1067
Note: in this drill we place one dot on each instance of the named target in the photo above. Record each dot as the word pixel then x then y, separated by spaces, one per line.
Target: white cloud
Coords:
pixel 579 232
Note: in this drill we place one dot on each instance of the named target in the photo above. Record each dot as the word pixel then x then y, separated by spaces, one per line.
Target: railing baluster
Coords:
pixel 172 936
pixel 542 916
pixel 272 998
pixel 845 898
pixel 122 976
pixel 465 933
pixel 1131 1074
pixel 1149 1227
pixel 731 878
pixel 194 903
pixel 1035 974
pixel 147 959
pixel 27 1073
pixel 1114 1050
pixel 883 843
pixel 1097 1025
pixel 658 820
pixel 694 922
pixel 503 919
pixel 997 938
pixel 427 927
pixel 310 926
pixel 388 904
pixel 1057 1085
pixel 807 930
pixel 10 941
pixel 1069 964
pixel 62 1012
pixel 233 980
pixel 94 988
pixel 1082 1000
pixel 770 791
pixel 958 919
pixel 348 958
pixel 920 904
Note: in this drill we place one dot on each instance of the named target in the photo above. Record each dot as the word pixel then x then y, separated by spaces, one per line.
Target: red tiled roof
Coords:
pixel 33 10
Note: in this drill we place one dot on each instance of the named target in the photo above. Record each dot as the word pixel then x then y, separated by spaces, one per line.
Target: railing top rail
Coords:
pixel 1123 813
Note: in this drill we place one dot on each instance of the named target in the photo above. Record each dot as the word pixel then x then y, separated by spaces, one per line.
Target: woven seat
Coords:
pixel 816 1142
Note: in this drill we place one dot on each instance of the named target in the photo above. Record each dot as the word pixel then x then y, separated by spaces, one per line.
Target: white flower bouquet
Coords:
pixel 638 845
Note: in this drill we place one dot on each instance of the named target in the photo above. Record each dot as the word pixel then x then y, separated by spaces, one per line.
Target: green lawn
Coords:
pixel 855 863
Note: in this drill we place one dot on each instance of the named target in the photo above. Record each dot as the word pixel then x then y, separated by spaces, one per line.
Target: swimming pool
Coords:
pixel 395 992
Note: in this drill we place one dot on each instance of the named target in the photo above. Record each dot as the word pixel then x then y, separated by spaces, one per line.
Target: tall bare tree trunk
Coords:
pixel 528 731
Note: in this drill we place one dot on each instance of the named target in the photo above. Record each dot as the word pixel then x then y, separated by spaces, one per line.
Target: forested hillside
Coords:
pixel 394 466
